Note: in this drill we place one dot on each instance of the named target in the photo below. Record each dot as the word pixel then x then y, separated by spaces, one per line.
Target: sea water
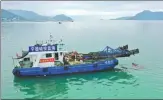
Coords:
pixel 85 36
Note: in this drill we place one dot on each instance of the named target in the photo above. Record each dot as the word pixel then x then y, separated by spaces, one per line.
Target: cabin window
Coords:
pixel 56 56
pixel 61 53
pixel 48 55
pixel 26 59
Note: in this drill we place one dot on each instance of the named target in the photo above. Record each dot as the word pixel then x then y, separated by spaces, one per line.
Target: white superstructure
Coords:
pixel 47 54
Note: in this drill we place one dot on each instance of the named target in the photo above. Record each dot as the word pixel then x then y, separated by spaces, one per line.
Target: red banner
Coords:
pixel 47 60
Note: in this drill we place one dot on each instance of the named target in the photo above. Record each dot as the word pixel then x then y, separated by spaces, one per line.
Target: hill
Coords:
pixel 23 15
pixel 144 15
pixel 30 15
pixel 8 16
pixel 62 17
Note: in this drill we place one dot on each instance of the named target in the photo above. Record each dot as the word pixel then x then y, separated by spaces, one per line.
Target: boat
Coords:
pixel 51 58
pixel 59 22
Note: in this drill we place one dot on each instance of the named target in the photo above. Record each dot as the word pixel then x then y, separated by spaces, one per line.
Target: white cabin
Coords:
pixel 43 55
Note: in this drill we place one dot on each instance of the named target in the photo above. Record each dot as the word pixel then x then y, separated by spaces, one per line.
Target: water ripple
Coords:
pixel 55 87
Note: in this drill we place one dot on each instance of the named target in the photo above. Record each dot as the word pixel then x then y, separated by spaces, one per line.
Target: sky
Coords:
pixel 100 9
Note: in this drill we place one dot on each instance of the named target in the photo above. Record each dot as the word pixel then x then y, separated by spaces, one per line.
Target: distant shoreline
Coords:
pixel 32 21
pixel 73 21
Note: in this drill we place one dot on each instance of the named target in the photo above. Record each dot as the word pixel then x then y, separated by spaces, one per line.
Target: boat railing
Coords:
pixel 15 62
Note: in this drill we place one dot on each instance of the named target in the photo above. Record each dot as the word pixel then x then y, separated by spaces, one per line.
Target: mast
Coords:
pixel 51 38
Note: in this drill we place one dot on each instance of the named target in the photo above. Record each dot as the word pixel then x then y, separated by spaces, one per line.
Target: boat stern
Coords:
pixel 116 62
pixel 16 71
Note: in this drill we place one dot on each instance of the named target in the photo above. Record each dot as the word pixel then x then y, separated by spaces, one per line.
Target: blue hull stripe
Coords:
pixel 58 70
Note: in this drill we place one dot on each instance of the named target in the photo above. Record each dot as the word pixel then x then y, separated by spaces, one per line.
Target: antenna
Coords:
pixel 51 38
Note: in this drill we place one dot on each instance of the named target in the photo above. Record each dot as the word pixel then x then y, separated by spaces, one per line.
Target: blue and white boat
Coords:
pixel 44 59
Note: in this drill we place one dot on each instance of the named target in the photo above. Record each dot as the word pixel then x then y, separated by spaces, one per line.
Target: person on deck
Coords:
pixel 65 60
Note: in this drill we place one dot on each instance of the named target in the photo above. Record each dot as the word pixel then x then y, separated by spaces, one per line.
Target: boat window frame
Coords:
pixel 50 55
pixel 61 53
pixel 56 53
pixel 26 58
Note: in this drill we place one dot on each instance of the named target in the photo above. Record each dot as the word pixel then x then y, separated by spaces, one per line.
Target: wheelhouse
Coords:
pixel 42 55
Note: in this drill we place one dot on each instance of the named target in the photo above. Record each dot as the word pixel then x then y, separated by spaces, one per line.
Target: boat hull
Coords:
pixel 62 70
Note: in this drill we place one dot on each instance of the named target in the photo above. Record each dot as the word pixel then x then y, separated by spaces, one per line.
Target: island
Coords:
pixel 144 15
pixel 23 15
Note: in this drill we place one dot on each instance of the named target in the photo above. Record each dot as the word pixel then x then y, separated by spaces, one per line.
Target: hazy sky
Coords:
pixel 103 9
